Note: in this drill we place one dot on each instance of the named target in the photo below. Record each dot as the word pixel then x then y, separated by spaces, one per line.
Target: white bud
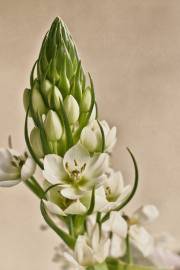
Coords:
pixel 71 108
pixel 91 137
pixel 35 140
pixel 46 87
pixel 86 100
pixel 53 127
pixel 37 101
pixel 54 97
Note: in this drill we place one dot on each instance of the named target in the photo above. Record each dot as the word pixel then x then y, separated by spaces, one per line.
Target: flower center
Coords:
pixel 75 173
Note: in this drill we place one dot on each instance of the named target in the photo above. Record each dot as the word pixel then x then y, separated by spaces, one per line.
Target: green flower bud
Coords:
pixel 37 100
pixel 55 98
pixel 35 140
pixel 52 126
pixel 26 98
pixel 86 100
pixel 71 108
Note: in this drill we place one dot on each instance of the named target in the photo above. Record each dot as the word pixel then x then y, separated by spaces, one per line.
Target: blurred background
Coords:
pixel 132 50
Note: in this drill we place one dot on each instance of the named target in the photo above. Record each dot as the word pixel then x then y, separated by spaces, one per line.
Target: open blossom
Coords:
pixel 14 167
pixel 120 227
pixel 77 172
pixel 92 247
pixel 91 136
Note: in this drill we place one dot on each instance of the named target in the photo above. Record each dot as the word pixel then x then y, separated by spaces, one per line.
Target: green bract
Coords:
pixel 58 83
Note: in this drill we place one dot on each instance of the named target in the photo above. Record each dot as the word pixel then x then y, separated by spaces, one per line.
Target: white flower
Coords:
pixel 77 172
pixel 91 137
pixel 141 239
pixel 14 168
pixel 74 208
pixel 114 191
pixel 92 248
pixel 138 236
pixel 146 214
pixel 116 225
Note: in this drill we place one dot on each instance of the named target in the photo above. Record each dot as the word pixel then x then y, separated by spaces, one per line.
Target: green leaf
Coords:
pixel 131 195
pixel 64 236
pixel 103 137
pixel 32 74
pixel 26 135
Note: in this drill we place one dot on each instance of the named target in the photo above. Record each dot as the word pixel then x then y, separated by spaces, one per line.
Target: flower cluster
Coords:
pixel 72 147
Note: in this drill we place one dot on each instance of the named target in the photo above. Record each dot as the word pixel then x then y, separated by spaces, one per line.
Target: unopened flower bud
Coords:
pixel 37 101
pixel 86 100
pixel 46 87
pixel 35 140
pixel 53 127
pixel 71 108
pixel 54 98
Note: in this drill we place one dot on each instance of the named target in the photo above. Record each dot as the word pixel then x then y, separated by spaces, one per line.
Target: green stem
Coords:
pixel 34 186
pixel 128 256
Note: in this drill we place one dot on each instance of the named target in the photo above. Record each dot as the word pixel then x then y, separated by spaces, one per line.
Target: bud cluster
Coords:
pixel 59 101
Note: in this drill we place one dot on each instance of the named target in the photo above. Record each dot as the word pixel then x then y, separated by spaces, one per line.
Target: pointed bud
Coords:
pixel 71 108
pixel 46 87
pixel 86 100
pixel 55 98
pixel 53 127
pixel 35 140
pixel 37 100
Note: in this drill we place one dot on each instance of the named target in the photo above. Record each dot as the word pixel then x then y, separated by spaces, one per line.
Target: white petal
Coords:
pixel 146 214
pixel 53 208
pixel 141 239
pixel 9 182
pixel 53 169
pixel 76 208
pixel 103 251
pixel 28 169
pixel 118 246
pixel 75 158
pixel 97 166
pixel 6 161
pixel 83 253
pixel 71 193
pixel 111 140
pixel 116 224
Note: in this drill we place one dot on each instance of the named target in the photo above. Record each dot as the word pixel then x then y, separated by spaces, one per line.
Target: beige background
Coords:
pixel 132 49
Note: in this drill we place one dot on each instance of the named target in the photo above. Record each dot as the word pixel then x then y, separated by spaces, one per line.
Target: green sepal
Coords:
pixel 26 135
